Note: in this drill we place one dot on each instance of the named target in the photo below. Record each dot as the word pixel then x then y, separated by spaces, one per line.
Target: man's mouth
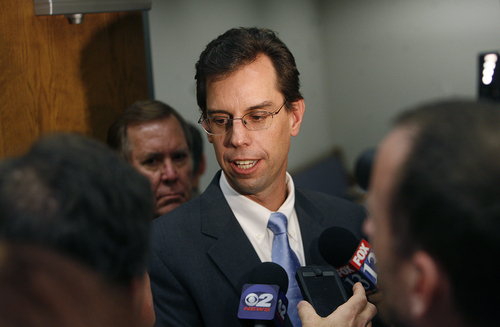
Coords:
pixel 168 197
pixel 245 164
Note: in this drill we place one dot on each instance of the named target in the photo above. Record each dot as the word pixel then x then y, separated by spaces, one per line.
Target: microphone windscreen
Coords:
pixel 337 245
pixel 269 273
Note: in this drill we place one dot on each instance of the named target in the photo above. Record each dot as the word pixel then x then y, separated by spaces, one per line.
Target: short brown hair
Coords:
pixel 238 47
pixel 141 112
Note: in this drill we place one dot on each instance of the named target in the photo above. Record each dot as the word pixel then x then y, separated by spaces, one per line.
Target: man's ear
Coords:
pixel 426 284
pixel 210 138
pixel 296 116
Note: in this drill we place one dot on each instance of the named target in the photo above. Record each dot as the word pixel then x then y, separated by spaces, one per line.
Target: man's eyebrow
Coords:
pixel 155 154
pixel 150 154
pixel 182 149
pixel 263 105
pixel 216 111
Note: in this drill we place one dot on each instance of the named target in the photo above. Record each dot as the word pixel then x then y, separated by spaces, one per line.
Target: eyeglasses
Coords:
pixel 254 121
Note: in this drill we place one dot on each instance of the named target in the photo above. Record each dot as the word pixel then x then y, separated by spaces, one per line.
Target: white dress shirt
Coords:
pixel 253 219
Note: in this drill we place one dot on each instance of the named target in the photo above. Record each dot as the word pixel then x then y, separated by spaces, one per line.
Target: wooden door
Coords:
pixel 55 76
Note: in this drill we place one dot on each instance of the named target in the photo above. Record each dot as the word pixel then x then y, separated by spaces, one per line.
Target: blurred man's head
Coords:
pixel 77 203
pixel 156 140
pixel 76 195
pixel 435 214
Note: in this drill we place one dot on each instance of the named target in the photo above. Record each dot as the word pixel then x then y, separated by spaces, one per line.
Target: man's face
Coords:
pixel 254 162
pixel 160 152
pixel 391 268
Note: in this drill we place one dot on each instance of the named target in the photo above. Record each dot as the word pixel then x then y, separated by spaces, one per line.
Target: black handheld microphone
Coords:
pixel 353 259
pixel 263 301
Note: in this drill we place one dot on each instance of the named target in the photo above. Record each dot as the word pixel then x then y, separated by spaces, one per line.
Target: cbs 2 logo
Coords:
pixel 263 300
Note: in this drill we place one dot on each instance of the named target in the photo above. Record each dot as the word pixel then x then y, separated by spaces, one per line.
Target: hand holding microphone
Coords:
pixel 326 287
pixel 354 263
pixel 356 312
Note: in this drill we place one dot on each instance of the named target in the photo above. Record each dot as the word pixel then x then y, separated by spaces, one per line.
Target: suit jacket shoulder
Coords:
pixel 199 262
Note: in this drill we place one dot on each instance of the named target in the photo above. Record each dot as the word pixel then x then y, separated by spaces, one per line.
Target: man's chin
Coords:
pixel 166 208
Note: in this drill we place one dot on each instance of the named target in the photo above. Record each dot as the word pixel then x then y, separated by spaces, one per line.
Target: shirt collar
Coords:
pixel 254 215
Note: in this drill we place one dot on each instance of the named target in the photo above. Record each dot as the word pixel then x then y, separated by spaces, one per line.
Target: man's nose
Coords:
pixel 239 134
pixel 169 171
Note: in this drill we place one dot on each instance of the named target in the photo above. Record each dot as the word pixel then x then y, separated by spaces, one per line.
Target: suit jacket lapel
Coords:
pixel 310 219
pixel 232 252
pixel 219 222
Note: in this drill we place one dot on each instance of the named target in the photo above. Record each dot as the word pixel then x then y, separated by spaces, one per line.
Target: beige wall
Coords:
pixel 360 61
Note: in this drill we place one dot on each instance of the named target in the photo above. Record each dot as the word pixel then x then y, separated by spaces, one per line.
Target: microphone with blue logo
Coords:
pixel 353 258
pixel 263 301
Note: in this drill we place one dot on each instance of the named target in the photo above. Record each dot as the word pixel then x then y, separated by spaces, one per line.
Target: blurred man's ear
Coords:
pixel 430 288
pixel 431 296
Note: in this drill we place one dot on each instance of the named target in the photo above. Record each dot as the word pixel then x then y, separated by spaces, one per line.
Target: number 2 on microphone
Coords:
pixel 263 300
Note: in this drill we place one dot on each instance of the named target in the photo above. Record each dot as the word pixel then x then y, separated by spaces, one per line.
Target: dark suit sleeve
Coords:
pixel 172 303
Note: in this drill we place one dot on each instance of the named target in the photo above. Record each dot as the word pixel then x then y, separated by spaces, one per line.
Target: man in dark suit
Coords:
pixel 203 251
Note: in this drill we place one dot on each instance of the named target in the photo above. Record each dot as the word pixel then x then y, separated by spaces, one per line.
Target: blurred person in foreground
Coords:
pixel 434 203
pixel 74 237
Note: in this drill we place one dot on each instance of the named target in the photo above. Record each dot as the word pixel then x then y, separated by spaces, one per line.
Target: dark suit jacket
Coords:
pixel 201 256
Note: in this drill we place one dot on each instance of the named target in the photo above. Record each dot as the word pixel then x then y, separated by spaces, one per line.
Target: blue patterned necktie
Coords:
pixel 286 258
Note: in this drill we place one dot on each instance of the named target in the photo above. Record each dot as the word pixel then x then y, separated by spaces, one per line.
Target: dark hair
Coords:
pixel 141 112
pixel 241 46
pixel 447 200
pixel 77 196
